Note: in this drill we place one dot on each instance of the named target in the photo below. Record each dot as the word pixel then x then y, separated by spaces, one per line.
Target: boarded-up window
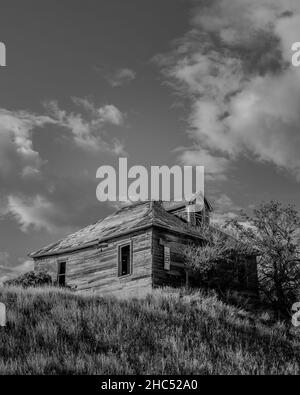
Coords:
pixel 167 258
pixel 124 260
pixel 61 274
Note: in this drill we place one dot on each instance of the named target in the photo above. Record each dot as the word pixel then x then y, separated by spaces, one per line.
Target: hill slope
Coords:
pixel 55 332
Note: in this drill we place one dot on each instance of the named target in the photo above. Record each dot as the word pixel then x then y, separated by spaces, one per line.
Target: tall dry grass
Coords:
pixel 52 331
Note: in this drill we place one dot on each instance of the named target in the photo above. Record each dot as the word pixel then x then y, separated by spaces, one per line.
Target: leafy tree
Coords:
pixel 274 230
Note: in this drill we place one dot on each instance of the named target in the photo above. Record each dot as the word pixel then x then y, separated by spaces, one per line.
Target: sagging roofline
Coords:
pixel 96 242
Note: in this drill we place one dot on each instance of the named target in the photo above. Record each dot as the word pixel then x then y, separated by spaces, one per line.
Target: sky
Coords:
pixel 207 82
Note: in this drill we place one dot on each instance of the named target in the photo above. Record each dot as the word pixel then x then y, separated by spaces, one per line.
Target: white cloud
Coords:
pixel 224 209
pixel 18 156
pixel 107 114
pixel 3 278
pixel 111 114
pixel 215 167
pixel 51 207
pixel 16 129
pixel 30 172
pixel 36 212
pixel 4 258
pixel 220 219
pixel 121 77
pixel 234 65
pixel 12 272
pixel 25 267
pixel 89 132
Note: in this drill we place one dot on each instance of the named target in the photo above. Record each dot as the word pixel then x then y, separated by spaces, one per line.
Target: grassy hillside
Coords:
pixel 55 332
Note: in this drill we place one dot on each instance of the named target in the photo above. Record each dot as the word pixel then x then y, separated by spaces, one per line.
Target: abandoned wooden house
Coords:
pixel 132 251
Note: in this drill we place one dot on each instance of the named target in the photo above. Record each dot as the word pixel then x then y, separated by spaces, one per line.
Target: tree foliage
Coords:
pixel 217 260
pixel 274 230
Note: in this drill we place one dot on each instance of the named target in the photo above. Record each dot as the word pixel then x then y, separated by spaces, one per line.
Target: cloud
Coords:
pixel 37 212
pixel 4 259
pixel 8 272
pixel 108 113
pixel 19 157
pixel 224 210
pixel 57 207
pixel 234 68
pixel 215 167
pixel 16 147
pixel 89 131
pixel 220 219
pixel 121 77
pixel 111 114
pixel 26 196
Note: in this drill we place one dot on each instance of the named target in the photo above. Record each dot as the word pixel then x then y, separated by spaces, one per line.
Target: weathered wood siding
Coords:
pixel 176 275
pixel 95 271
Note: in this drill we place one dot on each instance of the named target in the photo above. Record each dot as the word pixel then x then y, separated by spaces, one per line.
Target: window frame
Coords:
pixel 120 246
pixel 59 263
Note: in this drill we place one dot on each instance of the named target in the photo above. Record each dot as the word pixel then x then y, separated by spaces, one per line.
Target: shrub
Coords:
pixel 219 263
pixel 31 279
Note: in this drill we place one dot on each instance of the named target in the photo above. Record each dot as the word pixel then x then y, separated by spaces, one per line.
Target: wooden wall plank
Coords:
pixel 176 275
pixel 96 270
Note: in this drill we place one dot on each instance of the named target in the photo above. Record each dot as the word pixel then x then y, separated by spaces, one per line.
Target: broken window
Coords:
pixel 124 260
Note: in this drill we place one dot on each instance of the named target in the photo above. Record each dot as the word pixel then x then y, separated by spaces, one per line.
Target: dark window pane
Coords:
pixel 242 274
pixel 61 276
pixel 125 261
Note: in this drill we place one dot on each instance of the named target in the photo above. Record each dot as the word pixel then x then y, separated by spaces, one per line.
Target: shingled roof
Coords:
pixel 126 220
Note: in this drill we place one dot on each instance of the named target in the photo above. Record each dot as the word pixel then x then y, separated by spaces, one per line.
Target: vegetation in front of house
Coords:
pixel 31 279
pixel 216 263
pixel 183 331
pixel 273 232
pixel 52 331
